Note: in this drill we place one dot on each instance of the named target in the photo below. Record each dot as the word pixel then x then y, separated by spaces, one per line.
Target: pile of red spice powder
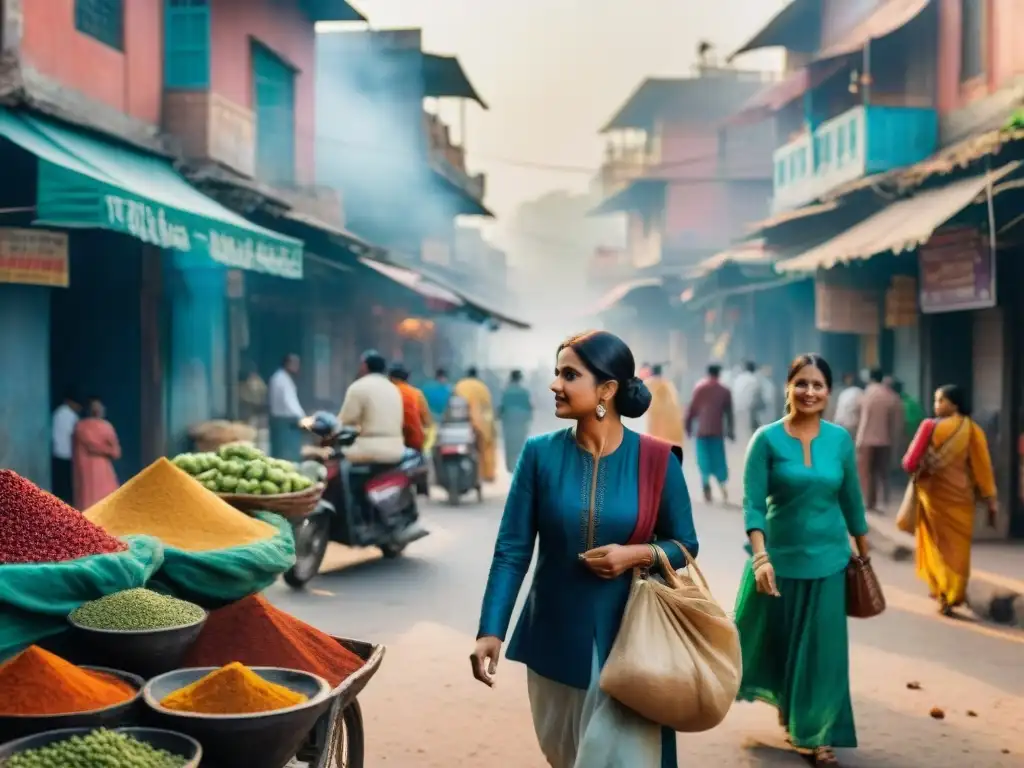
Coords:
pixel 36 682
pixel 257 634
pixel 37 527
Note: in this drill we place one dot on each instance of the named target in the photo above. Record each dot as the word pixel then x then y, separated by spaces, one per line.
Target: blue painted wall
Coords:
pixel 196 372
pixel 24 379
pixel 898 136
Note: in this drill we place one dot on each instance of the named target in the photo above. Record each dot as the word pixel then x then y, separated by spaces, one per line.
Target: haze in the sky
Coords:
pixel 554 71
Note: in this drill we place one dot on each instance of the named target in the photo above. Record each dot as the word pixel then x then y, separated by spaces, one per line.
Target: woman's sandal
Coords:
pixel 824 757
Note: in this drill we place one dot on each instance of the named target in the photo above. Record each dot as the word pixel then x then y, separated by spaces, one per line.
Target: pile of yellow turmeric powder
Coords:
pixel 164 502
pixel 232 690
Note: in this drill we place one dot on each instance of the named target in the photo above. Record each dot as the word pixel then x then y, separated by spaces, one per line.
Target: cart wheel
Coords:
pixel 349 744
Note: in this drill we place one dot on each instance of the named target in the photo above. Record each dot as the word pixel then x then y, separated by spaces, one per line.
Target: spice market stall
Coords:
pixel 146 610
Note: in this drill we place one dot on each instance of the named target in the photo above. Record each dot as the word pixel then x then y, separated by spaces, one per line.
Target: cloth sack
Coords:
pixel 36 598
pixel 214 578
pixel 906 517
pixel 676 660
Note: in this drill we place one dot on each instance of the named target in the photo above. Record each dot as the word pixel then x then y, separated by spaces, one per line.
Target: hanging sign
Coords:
pixel 957 272
pixel 838 309
pixel 34 257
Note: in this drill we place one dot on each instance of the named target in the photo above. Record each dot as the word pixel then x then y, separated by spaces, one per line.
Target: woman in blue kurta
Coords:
pixel 802 502
pixel 575 491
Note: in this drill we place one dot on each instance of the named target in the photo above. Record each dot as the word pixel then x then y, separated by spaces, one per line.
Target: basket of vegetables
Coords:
pixel 249 480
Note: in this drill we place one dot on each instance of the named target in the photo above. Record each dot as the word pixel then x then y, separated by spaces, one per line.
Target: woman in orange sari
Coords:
pixel 96 448
pixel 950 459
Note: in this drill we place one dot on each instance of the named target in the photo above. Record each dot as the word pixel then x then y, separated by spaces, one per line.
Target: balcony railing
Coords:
pixel 450 158
pixel 862 141
pixel 623 164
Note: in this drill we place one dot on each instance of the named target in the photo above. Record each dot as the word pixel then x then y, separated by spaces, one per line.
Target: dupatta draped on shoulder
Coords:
pixel 954 471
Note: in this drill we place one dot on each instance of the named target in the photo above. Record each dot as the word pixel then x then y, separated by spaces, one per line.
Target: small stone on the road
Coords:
pixel 971 713
pixel 937 713
pixel 914 685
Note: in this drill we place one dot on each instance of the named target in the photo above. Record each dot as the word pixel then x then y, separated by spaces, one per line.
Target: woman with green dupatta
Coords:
pixel 802 502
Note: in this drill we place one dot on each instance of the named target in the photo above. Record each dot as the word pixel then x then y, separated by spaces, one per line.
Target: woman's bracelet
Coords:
pixel 760 558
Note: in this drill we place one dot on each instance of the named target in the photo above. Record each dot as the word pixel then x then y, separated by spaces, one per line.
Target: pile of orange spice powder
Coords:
pixel 257 634
pixel 37 682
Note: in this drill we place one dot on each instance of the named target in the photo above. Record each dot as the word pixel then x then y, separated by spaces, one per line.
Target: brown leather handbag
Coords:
pixel 864 598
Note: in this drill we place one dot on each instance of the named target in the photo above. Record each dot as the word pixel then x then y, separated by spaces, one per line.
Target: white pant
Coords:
pixel 587 729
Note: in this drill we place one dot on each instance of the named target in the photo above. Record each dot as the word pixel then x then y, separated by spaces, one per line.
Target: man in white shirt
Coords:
pixel 373 404
pixel 748 400
pixel 65 419
pixel 285 411
pixel 848 404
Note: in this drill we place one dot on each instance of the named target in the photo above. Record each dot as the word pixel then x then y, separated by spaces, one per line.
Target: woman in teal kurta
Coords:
pixel 515 412
pixel 802 502
pixel 575 606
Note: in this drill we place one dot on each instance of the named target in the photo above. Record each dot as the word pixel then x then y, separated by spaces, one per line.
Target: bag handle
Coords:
pixel 670 575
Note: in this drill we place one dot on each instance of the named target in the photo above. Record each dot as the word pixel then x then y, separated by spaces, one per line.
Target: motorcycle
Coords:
pixel 363 504
pixel 456 455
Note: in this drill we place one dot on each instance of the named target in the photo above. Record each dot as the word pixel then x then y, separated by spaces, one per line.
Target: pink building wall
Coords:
pixel 707 210
pixel 1004 54
pixel 286 30
pixel 129 81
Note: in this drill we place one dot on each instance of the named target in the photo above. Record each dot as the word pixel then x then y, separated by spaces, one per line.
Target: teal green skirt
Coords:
pixel 796 657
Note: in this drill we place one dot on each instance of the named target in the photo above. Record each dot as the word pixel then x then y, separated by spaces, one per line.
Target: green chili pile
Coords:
pixel 101 747
pixel 137 610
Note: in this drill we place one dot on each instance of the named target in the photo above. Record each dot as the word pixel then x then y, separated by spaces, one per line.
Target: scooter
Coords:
pixel 456 454
pixel 363 504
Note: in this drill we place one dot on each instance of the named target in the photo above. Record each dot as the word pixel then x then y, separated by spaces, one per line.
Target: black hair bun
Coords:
pixel 633 399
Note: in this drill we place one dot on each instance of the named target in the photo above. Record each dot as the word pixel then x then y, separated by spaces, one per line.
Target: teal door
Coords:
pixel 274 83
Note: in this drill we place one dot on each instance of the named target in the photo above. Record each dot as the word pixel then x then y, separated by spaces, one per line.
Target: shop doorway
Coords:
pixel 105 341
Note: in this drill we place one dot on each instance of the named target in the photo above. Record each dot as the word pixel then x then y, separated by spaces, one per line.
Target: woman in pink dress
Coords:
pixel 96 448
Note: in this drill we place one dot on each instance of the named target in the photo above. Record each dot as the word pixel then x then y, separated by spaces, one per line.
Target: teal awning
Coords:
pixel 85 181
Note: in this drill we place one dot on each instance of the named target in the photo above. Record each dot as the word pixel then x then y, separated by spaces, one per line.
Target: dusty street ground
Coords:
pixel 423 710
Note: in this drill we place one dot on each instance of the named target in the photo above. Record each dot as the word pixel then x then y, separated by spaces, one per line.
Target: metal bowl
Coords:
pixel 145 652
pixel 124 713
pixel 263 740
pixel 175 743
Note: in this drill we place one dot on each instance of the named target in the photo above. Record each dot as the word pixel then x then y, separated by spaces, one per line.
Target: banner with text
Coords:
pixel 34 257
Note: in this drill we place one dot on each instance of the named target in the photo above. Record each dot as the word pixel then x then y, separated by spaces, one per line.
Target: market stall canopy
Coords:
pixel 87 182
pixel 622 290
pixel 815 209
pixel 902 226
pixel 889 17
pixel 414 282
pixel 443 76
pixel 753 252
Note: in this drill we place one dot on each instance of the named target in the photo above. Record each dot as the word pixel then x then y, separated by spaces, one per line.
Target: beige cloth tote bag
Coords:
pixel 676 660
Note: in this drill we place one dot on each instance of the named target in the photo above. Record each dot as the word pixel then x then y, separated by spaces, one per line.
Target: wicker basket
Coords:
pixel 289 505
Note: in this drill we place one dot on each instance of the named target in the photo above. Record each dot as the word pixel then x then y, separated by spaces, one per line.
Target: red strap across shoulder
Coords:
pixel 654 457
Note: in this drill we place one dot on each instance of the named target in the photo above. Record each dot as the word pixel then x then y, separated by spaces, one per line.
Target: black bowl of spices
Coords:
pixel 151 747
pixel 138 630
pixel 234 739
pixel 111 697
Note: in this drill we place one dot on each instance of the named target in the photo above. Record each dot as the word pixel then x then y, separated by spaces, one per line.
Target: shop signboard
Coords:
pixel 841 309
pixel 34 257
pixel 957 272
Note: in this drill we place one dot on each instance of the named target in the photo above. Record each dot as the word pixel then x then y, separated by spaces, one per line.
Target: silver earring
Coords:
pixel 601 411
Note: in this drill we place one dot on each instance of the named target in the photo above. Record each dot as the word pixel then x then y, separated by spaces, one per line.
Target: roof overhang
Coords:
pixel 640 195
pixel 785 29
pixel 901 226
pixel 331 10
pixel 444 77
